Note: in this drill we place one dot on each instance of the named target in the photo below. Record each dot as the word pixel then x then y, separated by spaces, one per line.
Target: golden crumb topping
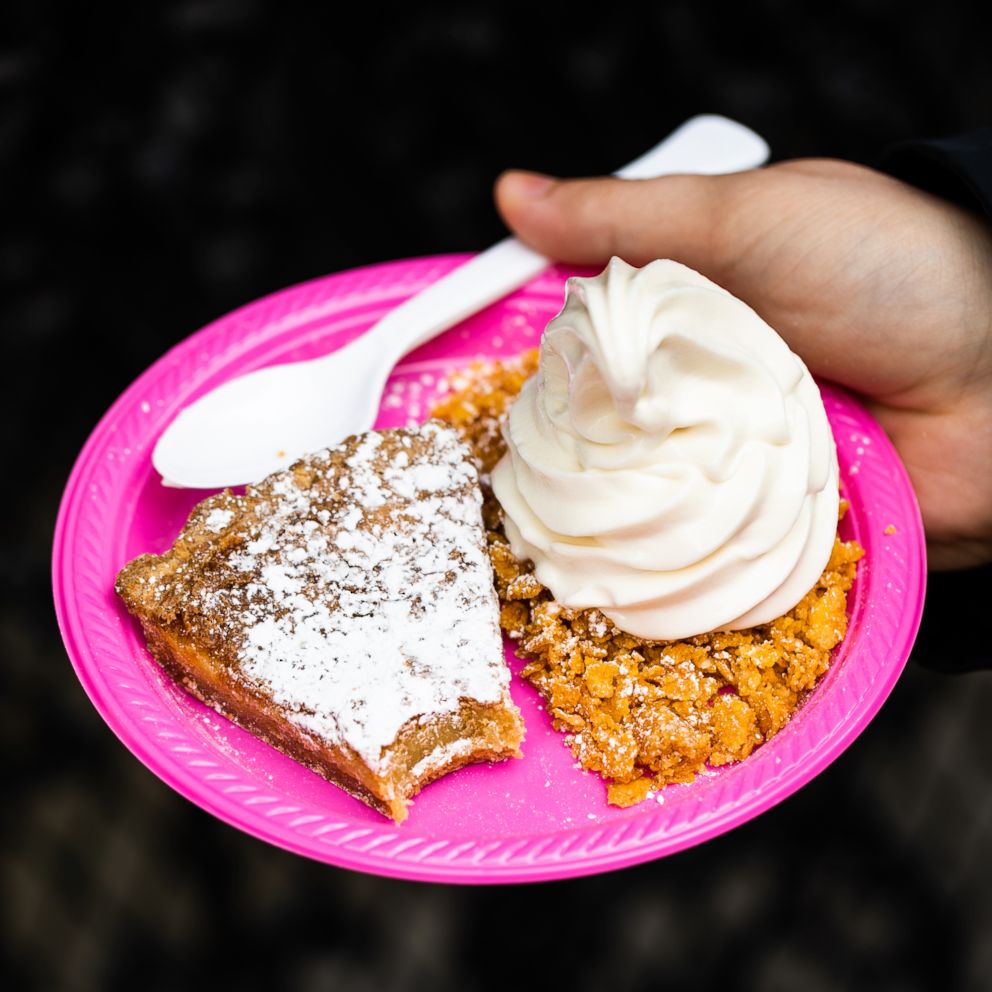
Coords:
pixel 646 713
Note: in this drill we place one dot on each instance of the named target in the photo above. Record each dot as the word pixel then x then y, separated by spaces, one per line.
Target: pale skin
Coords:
pixel 877 285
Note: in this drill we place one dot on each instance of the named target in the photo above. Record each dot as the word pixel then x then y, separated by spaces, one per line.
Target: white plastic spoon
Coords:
pixel 263 421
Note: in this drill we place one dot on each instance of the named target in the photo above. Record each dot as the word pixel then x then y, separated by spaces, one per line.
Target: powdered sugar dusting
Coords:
pixel 440 756
pixel 366 597
pixel 218 519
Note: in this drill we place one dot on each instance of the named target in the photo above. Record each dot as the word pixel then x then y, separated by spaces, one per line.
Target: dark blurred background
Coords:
pixel 163 163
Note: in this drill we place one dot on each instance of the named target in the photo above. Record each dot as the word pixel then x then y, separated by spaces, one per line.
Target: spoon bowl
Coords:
pixel 263 421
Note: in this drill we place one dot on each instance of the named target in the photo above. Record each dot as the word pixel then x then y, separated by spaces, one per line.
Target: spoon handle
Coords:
pixel 707 145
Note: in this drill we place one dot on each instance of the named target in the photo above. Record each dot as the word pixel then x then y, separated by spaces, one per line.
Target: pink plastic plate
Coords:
pixel 536 818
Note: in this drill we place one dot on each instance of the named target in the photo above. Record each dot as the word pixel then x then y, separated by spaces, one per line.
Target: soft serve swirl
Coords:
pixel 671 462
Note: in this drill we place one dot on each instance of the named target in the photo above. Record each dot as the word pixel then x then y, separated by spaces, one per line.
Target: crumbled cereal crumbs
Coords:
pixel 645 714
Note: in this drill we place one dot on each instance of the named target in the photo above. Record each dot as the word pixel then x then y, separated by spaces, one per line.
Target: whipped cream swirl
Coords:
pixel 671 462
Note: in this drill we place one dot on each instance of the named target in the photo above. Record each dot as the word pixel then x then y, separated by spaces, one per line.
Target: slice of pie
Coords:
pixel 344 611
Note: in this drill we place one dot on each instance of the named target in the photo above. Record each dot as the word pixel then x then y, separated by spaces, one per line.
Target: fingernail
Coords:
pixel 527 185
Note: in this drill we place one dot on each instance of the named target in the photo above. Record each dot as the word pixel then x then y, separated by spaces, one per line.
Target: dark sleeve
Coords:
pixel 957 168
pixel 947 641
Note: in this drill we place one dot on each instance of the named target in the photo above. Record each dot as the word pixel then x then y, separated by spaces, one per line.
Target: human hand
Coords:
pixel 875 284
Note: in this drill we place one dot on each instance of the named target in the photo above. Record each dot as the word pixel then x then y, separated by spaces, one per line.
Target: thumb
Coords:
pixel 586 221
